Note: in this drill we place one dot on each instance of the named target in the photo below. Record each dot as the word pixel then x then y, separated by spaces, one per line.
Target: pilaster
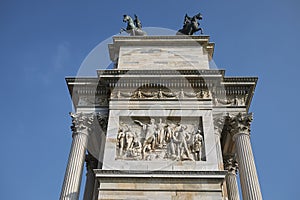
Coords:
pixel 218 127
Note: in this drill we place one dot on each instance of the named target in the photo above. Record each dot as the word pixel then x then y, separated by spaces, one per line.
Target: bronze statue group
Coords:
pixel 190 25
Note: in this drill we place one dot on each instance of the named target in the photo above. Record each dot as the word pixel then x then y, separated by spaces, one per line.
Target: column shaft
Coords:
pixel 248 175
pixel 73 175
pixel 232 187
pixel 89 186
pixel 91 164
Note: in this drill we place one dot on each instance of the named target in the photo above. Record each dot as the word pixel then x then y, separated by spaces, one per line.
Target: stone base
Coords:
pixel 171 185
pixel 161 52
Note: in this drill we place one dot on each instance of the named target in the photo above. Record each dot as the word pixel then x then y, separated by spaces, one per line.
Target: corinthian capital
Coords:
pixel 239 124
pixel 219 122
pixel 102 120
pixel 81 121
pixel 230 164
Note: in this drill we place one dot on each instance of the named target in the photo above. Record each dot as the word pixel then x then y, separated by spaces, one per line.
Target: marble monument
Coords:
pixel 161 125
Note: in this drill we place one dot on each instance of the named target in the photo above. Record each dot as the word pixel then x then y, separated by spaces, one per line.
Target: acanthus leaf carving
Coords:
pixel 239 124
pixel 85 121
pixel 81 121
pixel 102 120
pixel 230 164
pixel 219 122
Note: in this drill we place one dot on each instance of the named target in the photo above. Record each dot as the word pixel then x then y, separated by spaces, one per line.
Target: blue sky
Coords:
pixel 42 42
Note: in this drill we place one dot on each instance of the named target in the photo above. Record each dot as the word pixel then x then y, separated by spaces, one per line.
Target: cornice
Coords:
pixel 117 72
pixel 174 84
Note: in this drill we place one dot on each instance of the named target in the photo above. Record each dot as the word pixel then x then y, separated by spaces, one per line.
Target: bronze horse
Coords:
pixel 191 25
pixel 134 27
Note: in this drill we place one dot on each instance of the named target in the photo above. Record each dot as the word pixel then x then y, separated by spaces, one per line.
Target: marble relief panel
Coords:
pixel 160 138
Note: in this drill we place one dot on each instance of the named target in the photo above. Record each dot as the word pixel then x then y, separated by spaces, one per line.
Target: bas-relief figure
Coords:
pixel 158 139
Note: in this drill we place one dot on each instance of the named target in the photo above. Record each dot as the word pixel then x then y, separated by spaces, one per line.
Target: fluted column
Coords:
pixel 91 164
pixel 231 182
pixel 80 127
pixel 248 175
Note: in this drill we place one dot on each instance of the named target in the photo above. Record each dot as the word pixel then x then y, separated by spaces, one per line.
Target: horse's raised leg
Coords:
pixel 201 31
pixel 122 30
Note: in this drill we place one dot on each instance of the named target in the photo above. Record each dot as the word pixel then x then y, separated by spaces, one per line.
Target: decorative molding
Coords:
pixel 158 93
pixel 132 72
pixel 165 174
pixel 93 101
pixel 232 100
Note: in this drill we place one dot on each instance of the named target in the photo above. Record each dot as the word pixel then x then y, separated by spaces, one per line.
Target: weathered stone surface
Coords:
pixel 190 185
pixel 161 52
pixel 146 57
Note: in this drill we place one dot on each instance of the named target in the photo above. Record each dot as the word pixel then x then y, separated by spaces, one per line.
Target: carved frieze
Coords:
pixel 161 94
pixel 93 101
pixel 231 100
pixel 160 138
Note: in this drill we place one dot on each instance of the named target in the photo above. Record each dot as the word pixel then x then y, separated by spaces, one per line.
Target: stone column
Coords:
pixel 80 126
pixel 91 164
pixel 231 182
pixel 248 175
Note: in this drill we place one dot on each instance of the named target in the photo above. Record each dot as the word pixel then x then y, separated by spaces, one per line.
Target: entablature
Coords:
pixel 182 85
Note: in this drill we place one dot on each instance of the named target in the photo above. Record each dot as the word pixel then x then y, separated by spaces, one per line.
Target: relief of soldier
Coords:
pixel 159 139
